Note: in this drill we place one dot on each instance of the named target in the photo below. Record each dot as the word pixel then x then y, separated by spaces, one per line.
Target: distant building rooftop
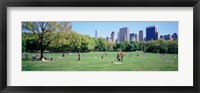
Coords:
pixel 152 26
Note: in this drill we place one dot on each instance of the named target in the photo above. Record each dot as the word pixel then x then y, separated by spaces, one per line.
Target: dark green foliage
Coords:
pixel 162 46
pixel 23 45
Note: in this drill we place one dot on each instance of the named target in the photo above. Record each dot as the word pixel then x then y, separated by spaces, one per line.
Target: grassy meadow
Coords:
pixel 93 61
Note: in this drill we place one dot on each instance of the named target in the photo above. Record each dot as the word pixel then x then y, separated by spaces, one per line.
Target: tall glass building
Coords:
pixel 132 37
pixel 168 37
pixel 124 34
pixel 141 35
pixel 151 33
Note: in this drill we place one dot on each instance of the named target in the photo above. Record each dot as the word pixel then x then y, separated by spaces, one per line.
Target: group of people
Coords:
pixel 120 56
pixel 36 58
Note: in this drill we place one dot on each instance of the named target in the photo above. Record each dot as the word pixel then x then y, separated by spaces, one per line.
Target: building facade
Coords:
pixel 151 33
pixel 136 37
pixel 168 37
pixel 141 35
pixel 124 34
pixel 132 37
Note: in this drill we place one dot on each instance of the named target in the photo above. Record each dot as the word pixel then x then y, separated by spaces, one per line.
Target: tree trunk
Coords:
pixel 43 48
pixel 41 53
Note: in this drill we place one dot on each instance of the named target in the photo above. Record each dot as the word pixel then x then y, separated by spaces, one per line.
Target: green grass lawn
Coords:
pixel 93 62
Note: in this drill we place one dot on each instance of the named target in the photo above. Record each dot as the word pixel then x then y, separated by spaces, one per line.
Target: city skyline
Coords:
pixel 125 35
pixel 90 28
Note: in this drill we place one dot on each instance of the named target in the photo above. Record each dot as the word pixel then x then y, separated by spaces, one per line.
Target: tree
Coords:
pixel 30 42
pixel 142 43
pixel 23 44
pixel 45 32
pixel 101 44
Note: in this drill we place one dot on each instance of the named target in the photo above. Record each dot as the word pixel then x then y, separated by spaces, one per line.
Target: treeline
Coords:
pixel 72 42
pixel 162 46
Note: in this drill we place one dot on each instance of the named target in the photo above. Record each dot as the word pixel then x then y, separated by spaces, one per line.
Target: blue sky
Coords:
pixel 105 28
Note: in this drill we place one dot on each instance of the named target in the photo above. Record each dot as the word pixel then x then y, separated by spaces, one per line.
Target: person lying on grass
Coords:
pixel 45 59
pixel 115 63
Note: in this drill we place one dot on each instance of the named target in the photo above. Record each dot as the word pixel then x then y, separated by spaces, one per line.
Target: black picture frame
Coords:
pixel 99 3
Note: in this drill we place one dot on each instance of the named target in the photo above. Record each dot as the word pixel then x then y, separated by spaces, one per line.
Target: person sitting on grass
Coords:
pixel 26 55
pixel 35 58
pixel 102 56
pixel 118 57
pixel 79 56
pixel 161 55
pixel 52 59
pixel 122 55
pixel 63 54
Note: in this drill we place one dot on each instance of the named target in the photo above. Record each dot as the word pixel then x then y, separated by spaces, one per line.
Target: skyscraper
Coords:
pixel 118 37
pixel 151 33
pixel 112 36
pixel 124 34
pixel 141 35
pixel 136 37
pixel 96 34
pixel 132 37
